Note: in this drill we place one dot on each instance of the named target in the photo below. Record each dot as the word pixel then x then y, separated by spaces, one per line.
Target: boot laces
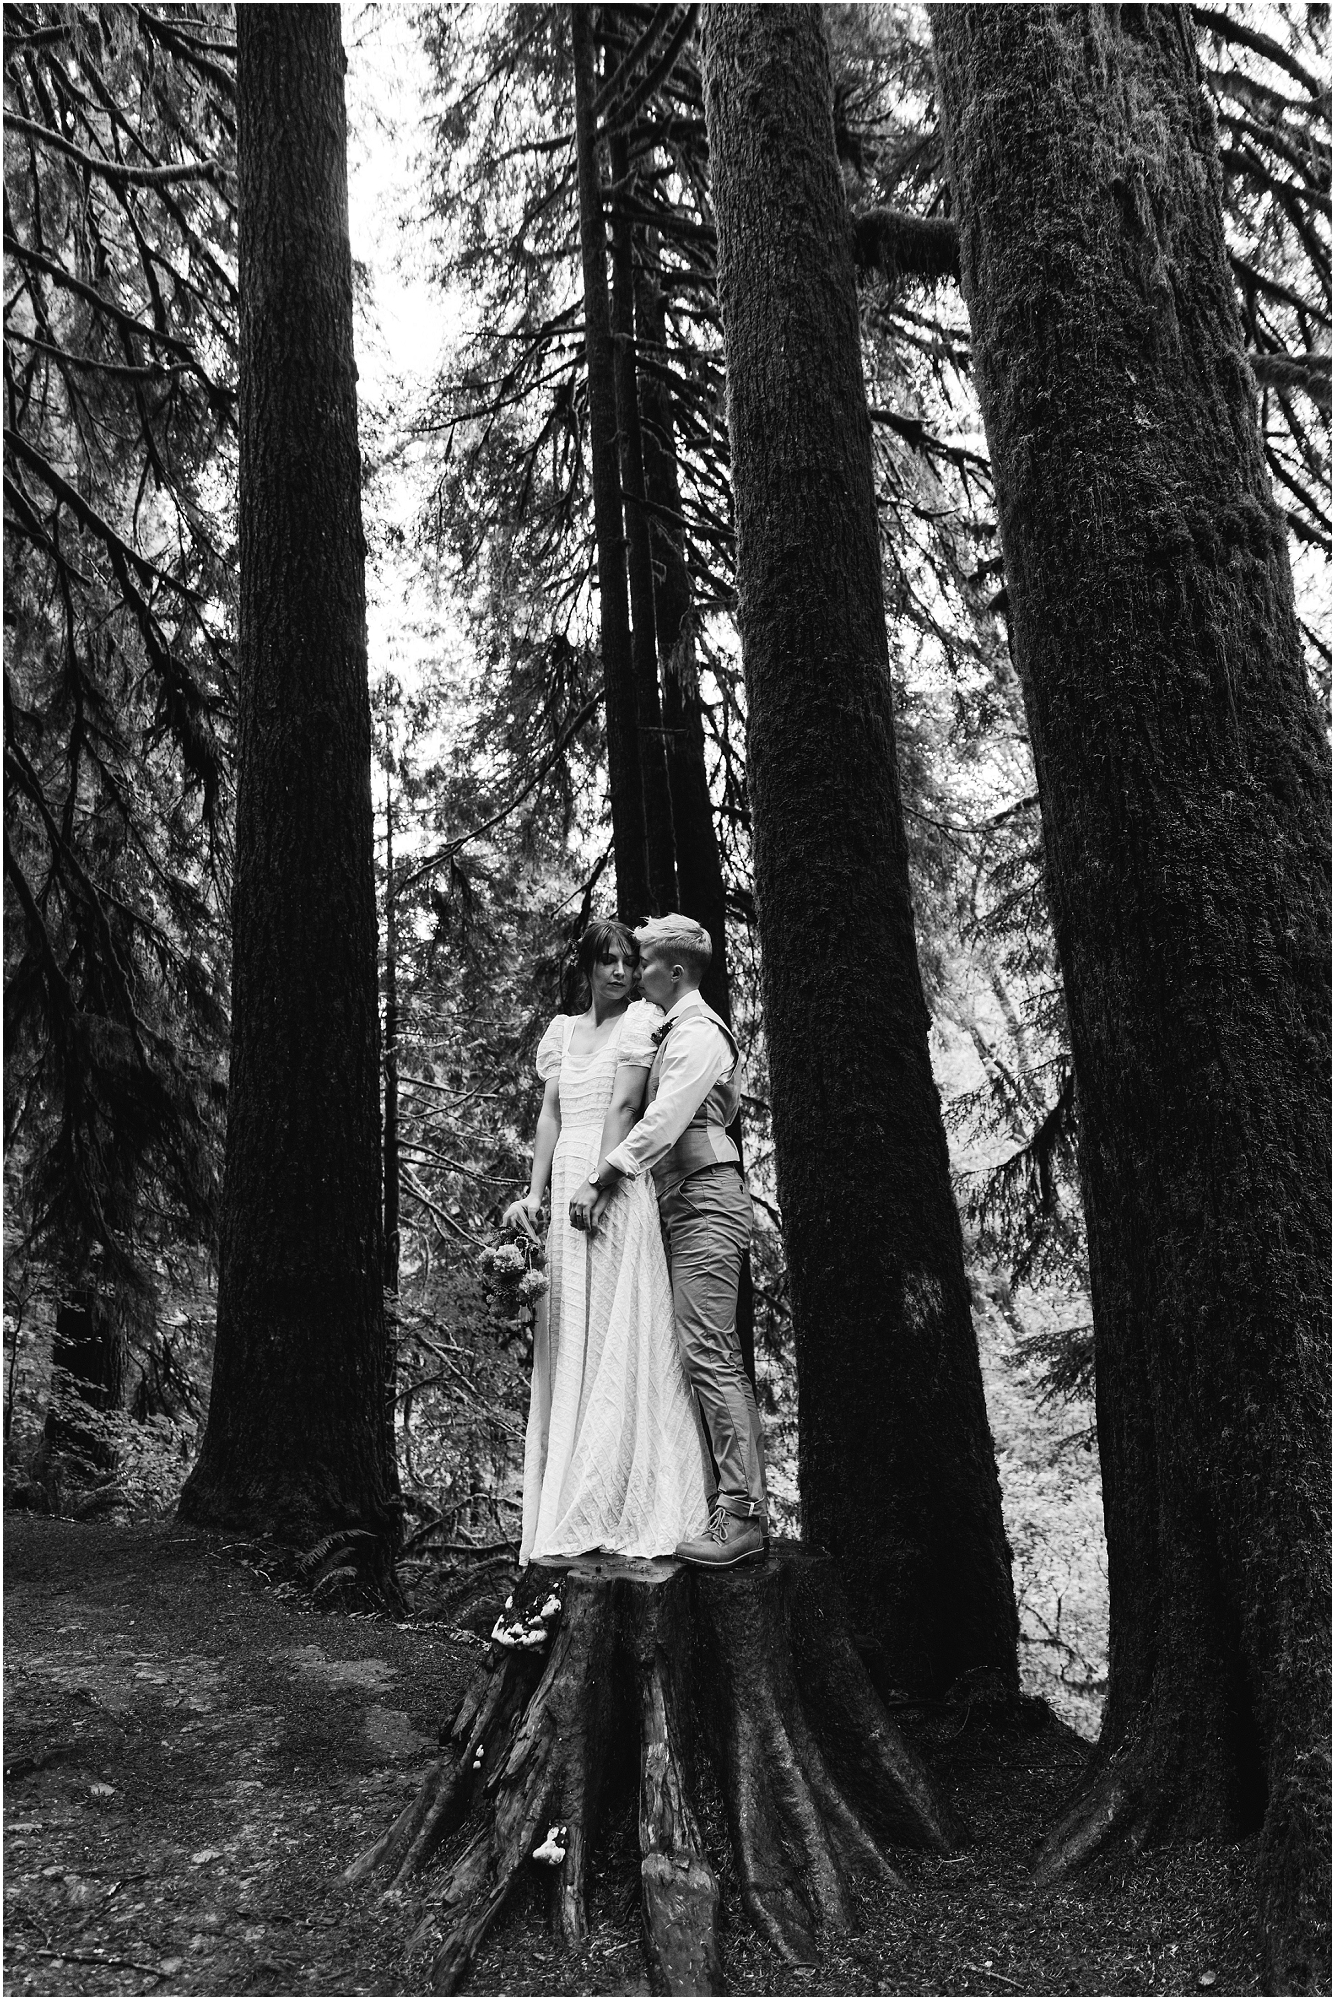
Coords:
pixel 717 1531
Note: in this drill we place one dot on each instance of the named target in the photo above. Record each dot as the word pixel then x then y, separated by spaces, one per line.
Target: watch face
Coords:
pixel 593 1180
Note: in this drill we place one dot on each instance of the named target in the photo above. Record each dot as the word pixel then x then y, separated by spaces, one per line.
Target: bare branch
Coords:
pixel 906 246
pixel 645 89
pixel 1229 29
pixel 113 170
pixel 1308 372
pixel 658 20
pixel 157 373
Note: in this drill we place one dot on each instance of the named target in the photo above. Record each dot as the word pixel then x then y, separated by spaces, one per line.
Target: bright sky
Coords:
pixel 404 332
pixel 386 84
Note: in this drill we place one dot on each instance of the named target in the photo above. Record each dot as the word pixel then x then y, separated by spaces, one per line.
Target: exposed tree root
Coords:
pixel 1294 1872
pixel 1142 1797
pixel 1102 1810
pixel 754 1666
pixel 1162 1783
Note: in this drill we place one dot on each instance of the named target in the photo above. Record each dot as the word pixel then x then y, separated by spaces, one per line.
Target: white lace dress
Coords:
pixel 615 1455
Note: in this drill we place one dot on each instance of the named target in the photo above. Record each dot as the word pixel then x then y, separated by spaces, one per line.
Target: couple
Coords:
pixel 637 1345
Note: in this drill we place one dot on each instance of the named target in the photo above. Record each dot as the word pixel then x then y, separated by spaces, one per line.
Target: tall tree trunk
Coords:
pixel 1185 792
pixel 699 867
pixel 391 1131
pixel 296 1442
pixel 391 1155
pixel 639 561
pixel 896 1468
pixel 625 782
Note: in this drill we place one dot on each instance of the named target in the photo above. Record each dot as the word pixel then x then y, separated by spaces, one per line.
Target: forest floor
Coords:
pixel 192 1757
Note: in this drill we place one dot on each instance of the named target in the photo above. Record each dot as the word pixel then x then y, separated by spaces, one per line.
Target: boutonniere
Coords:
pixel 656 1034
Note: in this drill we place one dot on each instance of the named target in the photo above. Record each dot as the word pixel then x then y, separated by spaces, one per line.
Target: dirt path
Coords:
pixel 191 1759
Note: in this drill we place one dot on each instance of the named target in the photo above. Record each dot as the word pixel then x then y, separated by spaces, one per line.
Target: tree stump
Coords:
pixel 754 1668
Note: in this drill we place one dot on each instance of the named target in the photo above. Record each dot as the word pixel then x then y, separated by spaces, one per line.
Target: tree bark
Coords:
pixel 896 1468
pixel 1185 790
pixel 391 1131
pixel 625 782
pixel 699 864
pixel 756 1672
pixel 699 867
pixel 296 1441
pixel 639 561
pixel 391 1153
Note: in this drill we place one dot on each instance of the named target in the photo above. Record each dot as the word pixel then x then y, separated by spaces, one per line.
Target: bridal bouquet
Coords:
pixel 515 1279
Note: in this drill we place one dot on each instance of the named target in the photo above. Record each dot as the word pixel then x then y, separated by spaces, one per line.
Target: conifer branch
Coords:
pixel 114 170
pixel 453 847
pixel 645 89
pixel 658 20
pixel 86 514
pixel 94 362
pixel 1230 29
pixel 1308 372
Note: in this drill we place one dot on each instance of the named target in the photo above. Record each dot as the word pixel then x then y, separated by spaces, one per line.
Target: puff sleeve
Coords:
pixel 552 1048
pixel 637 1047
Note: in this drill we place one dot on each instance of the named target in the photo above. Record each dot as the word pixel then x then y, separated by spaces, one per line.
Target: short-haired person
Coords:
pixel 694 1088
pixel 614 1457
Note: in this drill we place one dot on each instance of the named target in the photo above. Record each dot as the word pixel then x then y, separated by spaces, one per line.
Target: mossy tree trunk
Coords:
pixel 296 1443
pixel 1185 793
pixel 896 1467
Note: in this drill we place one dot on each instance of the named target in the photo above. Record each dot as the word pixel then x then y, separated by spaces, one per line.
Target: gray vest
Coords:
pixel 705 1142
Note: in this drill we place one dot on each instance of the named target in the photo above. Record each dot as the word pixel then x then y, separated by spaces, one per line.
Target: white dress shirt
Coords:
pixel 694 1056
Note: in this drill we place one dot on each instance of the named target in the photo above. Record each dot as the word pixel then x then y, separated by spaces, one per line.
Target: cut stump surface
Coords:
pixel 753 1668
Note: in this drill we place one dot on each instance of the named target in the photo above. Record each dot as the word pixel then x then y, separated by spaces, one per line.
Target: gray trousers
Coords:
pixel 707 1229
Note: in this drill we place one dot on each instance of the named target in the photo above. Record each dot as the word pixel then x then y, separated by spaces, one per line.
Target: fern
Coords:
pixel 344 1574
pixel 339 1540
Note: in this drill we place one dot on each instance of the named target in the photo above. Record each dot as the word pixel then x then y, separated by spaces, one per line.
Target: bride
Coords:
pixel 614 1454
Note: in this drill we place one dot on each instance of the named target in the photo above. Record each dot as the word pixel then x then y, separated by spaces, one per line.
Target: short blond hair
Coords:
pixel 677 937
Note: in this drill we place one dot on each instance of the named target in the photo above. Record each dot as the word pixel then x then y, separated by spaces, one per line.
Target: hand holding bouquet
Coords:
pixel 516 1280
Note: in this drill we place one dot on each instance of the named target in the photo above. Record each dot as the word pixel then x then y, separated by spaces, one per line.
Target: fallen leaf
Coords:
pixel 206 1854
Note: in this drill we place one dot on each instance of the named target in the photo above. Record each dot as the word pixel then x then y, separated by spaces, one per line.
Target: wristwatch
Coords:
pixel 594 1181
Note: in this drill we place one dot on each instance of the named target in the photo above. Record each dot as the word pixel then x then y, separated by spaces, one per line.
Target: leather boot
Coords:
pixel 727 1540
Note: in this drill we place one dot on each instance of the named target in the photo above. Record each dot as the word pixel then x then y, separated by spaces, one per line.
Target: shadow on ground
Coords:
pixel 191 1759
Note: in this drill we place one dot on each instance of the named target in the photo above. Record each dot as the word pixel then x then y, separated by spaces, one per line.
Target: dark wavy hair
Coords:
pixel 601 940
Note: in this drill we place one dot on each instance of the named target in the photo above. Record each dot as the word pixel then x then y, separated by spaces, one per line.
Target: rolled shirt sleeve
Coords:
pixel 695 1056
